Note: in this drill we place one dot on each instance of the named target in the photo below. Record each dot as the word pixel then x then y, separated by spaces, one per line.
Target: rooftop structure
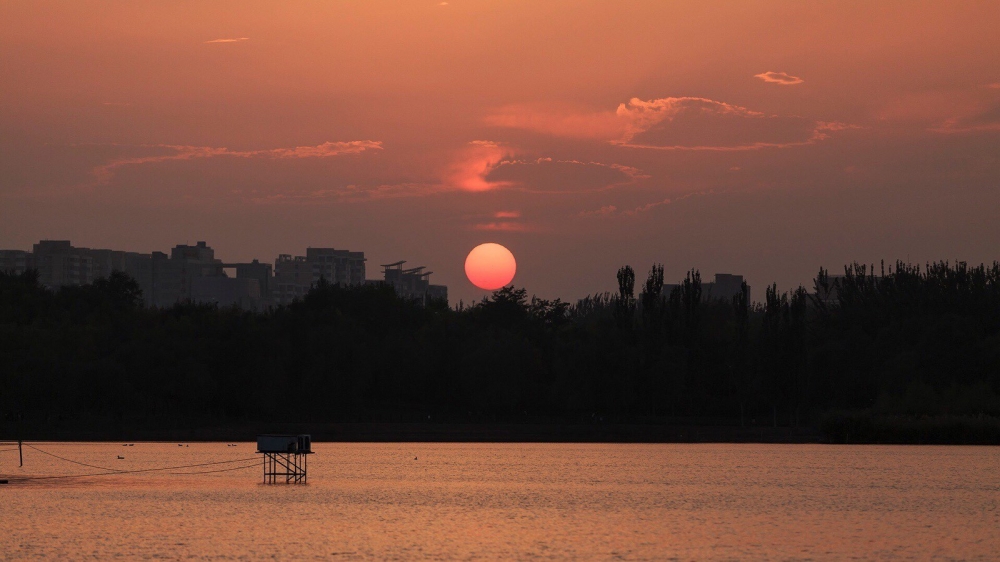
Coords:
pixel 412 283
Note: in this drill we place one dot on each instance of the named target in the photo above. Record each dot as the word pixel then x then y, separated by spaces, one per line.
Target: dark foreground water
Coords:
pixel 509 501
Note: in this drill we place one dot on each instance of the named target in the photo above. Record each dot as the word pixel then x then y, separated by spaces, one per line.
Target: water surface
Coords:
pixel 509 501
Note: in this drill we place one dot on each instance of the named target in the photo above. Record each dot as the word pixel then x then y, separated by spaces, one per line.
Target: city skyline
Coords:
pixel 193 273
pixel 766 139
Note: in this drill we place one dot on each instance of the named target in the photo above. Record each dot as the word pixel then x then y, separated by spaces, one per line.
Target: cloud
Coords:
pixel 546 175
pixel 236 40
pixel 993 86
pixel 474 163
pixel 671 123
pixel 612 210
pixel 504 226
pixel 351 192
pixel 602 212
pixel 105 172
pixel 779 78
pixel 507 214
pixel 558 121
pixel 647 207
pixel 701 124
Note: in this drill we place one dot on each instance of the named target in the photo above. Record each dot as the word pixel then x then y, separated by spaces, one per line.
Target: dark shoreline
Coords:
pixel 845 429
pixel 445 433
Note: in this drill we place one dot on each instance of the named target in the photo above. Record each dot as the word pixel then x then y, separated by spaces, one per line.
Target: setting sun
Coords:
pixel 490 266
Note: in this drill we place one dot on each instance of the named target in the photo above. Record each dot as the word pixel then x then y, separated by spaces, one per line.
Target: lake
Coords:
pixel 407 501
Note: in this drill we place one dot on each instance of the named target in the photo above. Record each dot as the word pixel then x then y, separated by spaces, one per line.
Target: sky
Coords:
pixel 765 139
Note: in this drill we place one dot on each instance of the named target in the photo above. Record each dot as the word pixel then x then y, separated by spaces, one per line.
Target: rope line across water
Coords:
pixel 111 471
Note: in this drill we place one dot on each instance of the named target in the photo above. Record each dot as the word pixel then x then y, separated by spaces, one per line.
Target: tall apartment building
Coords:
pixel 59 263
pixel 16 261
pixel 341 267
pixel 294 276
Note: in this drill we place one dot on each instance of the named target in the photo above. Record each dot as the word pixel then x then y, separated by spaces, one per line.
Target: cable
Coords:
pixel 26 478
pixel 125 472
pixel 119 471
pixel 69 460
pixel 110 471
pixel 252 465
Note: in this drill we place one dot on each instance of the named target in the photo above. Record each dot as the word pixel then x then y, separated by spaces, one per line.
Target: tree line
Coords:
pixel 909 343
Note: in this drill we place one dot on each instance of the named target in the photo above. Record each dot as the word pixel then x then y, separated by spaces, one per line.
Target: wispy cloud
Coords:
pixel 781 78
pixel 351 192
pixel 106 172
pixel 960 126
pixel 504 226
pixel 233 40
pixel 507 214
pixel 613 211
pixel 993 86
pixel 547 175
pixel 602 212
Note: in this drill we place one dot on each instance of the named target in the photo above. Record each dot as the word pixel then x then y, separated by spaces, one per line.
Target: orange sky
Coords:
pixel 763 138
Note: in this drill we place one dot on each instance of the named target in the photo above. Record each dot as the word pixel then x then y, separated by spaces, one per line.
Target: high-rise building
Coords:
pixel 16 261
pixel 294 276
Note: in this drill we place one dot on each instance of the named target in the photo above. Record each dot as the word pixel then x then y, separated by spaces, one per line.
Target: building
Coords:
pixel 16 261
pixel 340 267
pixel 189 273
pixel 262 273
pixel 413 283
pixel 829 292
pixel 724 287
pixel 294 276
pixel 192 273
pixel 226 291
pixel 60 264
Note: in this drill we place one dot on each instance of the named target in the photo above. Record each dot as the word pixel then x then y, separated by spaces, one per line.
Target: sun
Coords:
pixel 490 266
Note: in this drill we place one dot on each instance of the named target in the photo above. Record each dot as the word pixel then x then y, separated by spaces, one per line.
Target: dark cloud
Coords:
pixel 554 176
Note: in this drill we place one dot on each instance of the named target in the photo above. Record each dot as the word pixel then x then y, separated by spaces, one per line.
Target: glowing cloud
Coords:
pixel 236 40
pixel 469 170
pixel 105 172
pixel 779 78
pixel 558 121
